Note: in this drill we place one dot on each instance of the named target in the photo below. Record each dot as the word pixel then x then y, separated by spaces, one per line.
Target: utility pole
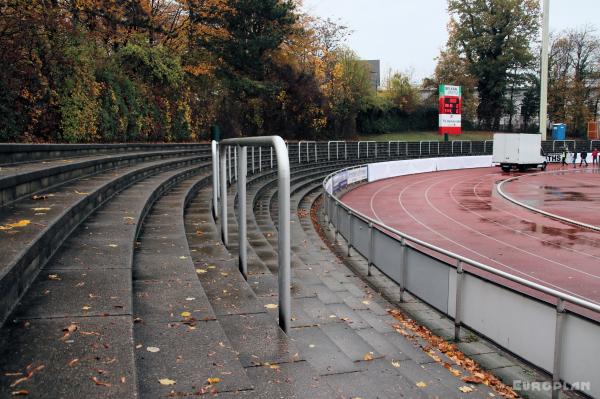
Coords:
pixel 544 77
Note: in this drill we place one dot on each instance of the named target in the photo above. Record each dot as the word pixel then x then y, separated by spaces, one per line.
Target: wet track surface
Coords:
pixel 462 212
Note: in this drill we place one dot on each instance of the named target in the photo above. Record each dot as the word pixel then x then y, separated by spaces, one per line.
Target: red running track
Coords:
pixel 462 212
pixel 572 193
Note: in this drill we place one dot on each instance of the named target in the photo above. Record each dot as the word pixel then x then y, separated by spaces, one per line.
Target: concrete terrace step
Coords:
pixel 340 343
pixel 15 154
pixel 26 179
pixel 76 320
pixel 24 250
pixel 253 332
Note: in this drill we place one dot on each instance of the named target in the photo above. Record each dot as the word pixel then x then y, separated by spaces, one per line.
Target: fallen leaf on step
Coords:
pixel 200 271
pixel 395 364
pixel 153 349
pixel 73 362
pixel 41 209
pixel 20 392
pixel 100 382
pixel 113 245
pixel 20 223
pixel 183 257
pixel 465 389
pixel 71 328
pixel 421 384
pixel 224 274
pixel 368 356
pixel 86 307
pixel 80 192
pixel 54 277
pixel 213 380
pixel 473 379
pixel 166 381
pixel 185 314
pixel 271 306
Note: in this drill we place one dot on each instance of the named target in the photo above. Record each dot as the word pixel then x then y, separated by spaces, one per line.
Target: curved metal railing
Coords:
pixel 561 298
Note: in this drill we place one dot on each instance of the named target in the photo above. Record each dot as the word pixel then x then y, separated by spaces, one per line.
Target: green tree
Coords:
pixel 494 37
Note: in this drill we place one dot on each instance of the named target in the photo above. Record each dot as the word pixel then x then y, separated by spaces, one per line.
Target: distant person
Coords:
pixel 583 158
pixel 574 159
pixel 595 157
pixel 563 156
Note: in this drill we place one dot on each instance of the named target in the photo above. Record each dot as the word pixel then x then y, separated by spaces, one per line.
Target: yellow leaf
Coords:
pixel 20 223
pixel 421 384
pixel 395 364
pixel 166 381
pixel 41 209
pixel 86 307
pixel 368 356
pixel 185 314
pixel 465 389
pixel 366 302
pixel 271 306
pixel 274 366
pixel 213 380
pixel 183 257
pixel 200 271
pixel 153 349
pixel 224 274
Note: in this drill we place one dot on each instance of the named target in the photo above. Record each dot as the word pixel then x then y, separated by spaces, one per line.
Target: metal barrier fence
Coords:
pixel 546 335
pixel 337 146
pixel 307 151
pixel 283 196
pixel 366 144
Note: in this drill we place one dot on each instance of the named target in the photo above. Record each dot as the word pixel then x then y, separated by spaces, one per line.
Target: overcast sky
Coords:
pixel 406 35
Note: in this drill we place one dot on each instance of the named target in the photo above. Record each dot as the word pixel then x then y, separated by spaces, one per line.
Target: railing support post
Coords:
pixel 223 151
pixel 235 162
pixel 350 233
pixel 337 221
pixel 215 178
pixel 260 159
pixel 560 315
pixel 370 259
pixel 403 267
pixel 241 189
pixel 252 160
pixel 458 300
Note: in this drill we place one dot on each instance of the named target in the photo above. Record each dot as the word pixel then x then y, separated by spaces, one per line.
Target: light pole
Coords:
pixel 544 77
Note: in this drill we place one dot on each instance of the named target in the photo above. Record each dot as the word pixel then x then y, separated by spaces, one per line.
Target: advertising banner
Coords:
pixel 358 174
pixel 450 109
pixel 340 181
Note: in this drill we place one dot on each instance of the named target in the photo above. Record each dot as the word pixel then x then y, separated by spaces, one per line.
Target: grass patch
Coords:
pixel 426 136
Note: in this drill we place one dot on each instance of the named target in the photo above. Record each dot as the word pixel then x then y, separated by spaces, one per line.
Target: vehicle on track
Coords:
pixel 518 151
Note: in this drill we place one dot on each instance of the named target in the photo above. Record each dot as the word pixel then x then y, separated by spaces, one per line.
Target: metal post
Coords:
pixel 544 77
pixel 228 165
pixel 316 152
pixel 215 178
pixel 241 189
pixel 260 159
pixel 558 333
pixel 223 187
pixel 458 300
pixel 350 235
pixel 271 157
pixel 252 160
pixel 403 267
pixel 337 221
pixel 284 240
pixel 235 162
pixel 299 152
pixel 370 260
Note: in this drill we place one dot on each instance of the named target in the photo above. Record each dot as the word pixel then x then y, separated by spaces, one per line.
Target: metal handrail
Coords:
pixel 561 298
pixel 367 144
pixel 530 284
pixel 283 195
pixel 307 142
pixel 461 145
pixel 564 142
pixel 485 145
pixel 337 146
pixel 429 150
pixel 214 145
pixel 397 147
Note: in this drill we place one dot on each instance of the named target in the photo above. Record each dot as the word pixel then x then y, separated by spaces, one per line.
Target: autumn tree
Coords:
pixel 493 37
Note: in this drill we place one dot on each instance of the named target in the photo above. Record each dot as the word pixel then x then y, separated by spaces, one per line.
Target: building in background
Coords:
pixel 375 70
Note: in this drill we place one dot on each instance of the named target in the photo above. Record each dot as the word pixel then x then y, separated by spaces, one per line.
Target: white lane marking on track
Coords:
pixel 390 185
pixel 509 228
pixel 480 254
pixel 475 187
pixel 495 239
